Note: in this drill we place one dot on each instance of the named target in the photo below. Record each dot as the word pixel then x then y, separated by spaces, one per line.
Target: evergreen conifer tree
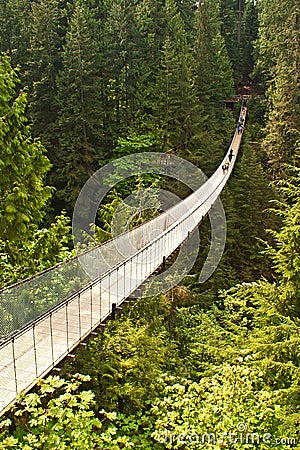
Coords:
pixel 23 163
pixel 45 62
pixel 246 200
pixel 230 16
pixel 80 102
pixel 123 63
pixel 213 85
pixel 24 248
pixel 176 107
pixel 14 30
pixel 249 34
pixel 279 56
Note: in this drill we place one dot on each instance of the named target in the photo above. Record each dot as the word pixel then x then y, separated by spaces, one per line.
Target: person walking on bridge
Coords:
pixel 225 168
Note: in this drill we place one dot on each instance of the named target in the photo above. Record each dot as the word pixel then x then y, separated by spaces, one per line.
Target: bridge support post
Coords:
pixel 113 311
pixel 164 263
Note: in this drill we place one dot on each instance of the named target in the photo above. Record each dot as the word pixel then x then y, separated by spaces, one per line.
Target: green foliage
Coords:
pixel 285 253
pixel 135 144
pixel 210 407
pixel 278 53
pixel 46 247
pixel 23 163
pixel 124 364
pixel 99 72
pixel 117 215
pixel 213 84
pixel 25 249
pixel 247 199
pixel 103 232
pixel 122 67
pixel 79 98
pixel 229 15
pixel 203 341
pixel 213 66
pixel 272 347
pixel 45 62
pixel 65 421
pixel 14 30
pixel 249 33
pixel 175 107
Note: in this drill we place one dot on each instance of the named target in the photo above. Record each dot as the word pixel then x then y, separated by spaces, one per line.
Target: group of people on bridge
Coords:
pixel 226 165
pixel 240 128
pixel 240 125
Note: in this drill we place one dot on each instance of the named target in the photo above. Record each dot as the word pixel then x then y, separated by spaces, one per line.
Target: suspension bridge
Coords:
pixel 44 318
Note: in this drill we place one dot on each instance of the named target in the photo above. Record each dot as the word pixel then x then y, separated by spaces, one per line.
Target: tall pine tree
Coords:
pixel 23 163
pixel 279 60
pixel 14 30
pixel 45 62
pixel 176 107
pixel 123 63
pixel 80 102
pixel 213 84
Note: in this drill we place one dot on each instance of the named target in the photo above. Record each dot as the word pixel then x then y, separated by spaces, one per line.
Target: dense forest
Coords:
pixel 82 82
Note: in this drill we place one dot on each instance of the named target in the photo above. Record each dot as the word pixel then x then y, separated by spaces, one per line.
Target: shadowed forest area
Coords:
pixel 83 82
